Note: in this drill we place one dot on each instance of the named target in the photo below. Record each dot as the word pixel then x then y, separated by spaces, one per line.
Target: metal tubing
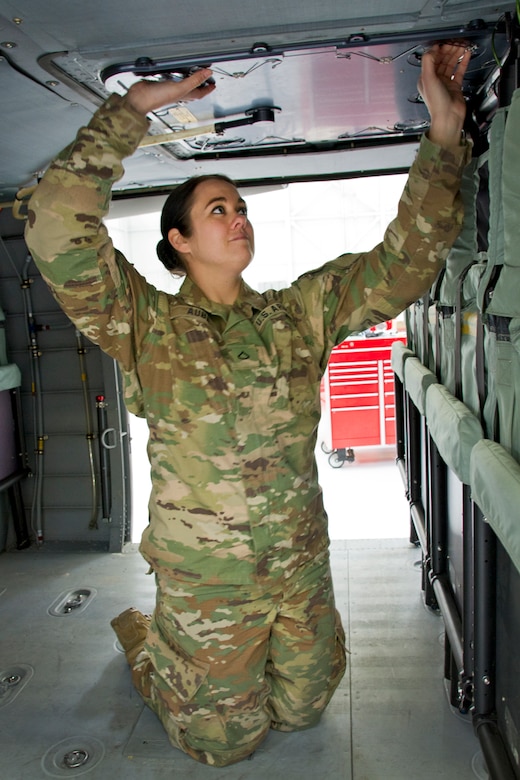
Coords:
pixel 485 616
pixel 438 509
pixel 414 455
pixel 104 459
pixel 399 419
pixel 417 514
pixel 19 429
pixel 468 616
pixel 451 673
pixel 493 750
pixel 413 480
pixel 12 479
pixel 12 485
pixel 451 617
pixel 401 465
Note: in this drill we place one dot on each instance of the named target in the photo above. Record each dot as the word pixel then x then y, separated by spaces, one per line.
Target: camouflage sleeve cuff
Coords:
pixel 447 163
pixel 123 125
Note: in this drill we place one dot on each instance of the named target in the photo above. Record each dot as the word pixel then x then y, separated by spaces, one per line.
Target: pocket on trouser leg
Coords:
pixel 175 679
pixel 304 679
pixel 181 696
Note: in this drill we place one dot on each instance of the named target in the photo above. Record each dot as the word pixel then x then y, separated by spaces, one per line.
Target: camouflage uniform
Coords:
pixel 237 526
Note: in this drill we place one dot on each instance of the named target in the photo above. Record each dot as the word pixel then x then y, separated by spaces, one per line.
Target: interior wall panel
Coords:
pixel 58 422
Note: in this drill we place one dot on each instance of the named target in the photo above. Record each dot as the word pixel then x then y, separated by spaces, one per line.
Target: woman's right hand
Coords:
pixel 440 84
pixel 145 96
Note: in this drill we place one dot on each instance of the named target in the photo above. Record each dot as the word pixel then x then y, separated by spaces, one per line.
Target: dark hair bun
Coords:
pixel 165 254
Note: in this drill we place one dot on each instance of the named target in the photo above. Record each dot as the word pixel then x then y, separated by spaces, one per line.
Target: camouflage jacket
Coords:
pixel 231 394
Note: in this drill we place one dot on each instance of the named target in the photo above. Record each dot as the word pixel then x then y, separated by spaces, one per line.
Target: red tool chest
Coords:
pixel 358 393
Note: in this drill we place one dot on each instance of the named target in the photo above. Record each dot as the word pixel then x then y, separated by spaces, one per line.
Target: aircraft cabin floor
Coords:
pixel 389 720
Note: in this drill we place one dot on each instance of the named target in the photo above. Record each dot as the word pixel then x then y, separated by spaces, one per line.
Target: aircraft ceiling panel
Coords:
pixel 300 85
pixel 123 24
pixel 26 142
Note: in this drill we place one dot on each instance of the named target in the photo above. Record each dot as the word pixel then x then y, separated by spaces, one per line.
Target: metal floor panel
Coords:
pixel 389 719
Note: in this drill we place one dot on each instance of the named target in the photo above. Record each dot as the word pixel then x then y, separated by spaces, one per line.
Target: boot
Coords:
pixel 131 628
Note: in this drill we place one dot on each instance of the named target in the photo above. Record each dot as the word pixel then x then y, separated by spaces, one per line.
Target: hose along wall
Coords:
pixel 37 525
pixel 93 524
pixel 37 521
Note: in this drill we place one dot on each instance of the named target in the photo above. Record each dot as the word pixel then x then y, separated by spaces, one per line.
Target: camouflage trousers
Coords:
pixel 222 665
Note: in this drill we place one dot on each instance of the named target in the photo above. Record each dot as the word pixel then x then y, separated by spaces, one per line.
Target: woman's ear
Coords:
pixel 178 242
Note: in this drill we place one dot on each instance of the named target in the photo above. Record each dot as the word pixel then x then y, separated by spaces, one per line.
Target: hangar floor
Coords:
pixel 389 720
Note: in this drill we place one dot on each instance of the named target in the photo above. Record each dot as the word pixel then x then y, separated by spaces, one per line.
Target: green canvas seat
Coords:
pixel 399 354
pixel 10 377
pixel 495 487
pixel 454 429
pixel 499 290
pixel 417 379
